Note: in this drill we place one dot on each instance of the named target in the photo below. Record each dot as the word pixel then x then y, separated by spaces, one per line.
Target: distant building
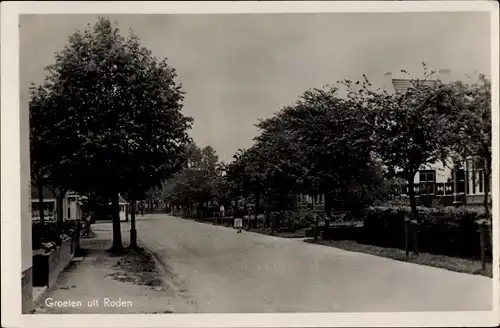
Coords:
pixel 71 206
pixel 124 209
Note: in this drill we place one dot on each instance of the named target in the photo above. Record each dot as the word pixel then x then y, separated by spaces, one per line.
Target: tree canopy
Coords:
pixel 115 111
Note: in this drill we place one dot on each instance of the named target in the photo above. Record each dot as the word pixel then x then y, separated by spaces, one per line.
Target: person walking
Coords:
pixel 222 211
pixel 238 221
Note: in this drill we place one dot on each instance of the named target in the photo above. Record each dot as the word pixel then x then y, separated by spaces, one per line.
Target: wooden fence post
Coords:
pixel 407 238
pixel 482 240
pixel 316 228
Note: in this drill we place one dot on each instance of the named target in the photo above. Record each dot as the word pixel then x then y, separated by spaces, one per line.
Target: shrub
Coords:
pixel 49 232
pixel 445 230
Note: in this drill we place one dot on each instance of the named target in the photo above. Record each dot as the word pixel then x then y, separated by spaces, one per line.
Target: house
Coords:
pixel 71 205
pixel 444 181
pixel 124 209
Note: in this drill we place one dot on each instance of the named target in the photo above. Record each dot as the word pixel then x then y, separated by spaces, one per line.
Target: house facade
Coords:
pixel 447 182
pixel 450 185
pixel 124 210
pixel 71 206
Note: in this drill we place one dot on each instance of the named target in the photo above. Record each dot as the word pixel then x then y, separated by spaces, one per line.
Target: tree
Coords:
pixel 407 127
pixel 39 143
pixel 119 108
pixel 51 163
pixel 195 184
pixel 335 148
pixel 470 108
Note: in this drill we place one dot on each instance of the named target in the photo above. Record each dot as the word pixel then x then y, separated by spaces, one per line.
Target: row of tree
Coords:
pixel 106 121
pixel 348 148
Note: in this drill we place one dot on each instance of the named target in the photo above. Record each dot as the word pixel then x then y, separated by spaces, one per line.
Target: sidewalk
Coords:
pixel 102 283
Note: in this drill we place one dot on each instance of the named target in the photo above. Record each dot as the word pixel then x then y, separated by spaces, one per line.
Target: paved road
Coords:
pixel 214 269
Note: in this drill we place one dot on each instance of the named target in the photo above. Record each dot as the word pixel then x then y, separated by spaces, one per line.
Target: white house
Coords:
pixel 124 208
pixel 464 183
pixel 453 185
pixel 71 206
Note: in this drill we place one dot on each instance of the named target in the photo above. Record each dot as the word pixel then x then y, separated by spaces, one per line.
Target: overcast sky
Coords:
pixel 238 68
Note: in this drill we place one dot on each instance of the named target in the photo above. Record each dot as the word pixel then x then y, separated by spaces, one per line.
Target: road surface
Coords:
pixel 213 269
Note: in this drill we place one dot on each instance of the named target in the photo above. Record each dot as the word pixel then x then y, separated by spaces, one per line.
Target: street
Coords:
pixel 216 270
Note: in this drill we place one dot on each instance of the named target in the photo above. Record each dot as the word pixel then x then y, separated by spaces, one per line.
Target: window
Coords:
pixel 478 164
pixel 427 181
pixel 480 180
pixel 477 176
pixel 474 183
pixel 460 175
pixel 468 183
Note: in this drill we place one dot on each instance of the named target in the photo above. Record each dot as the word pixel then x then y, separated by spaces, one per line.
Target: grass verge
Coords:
pixel 300 233
pixel 438 261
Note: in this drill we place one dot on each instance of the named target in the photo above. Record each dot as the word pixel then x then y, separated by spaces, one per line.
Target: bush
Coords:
pixel 445 230
pixel 49 232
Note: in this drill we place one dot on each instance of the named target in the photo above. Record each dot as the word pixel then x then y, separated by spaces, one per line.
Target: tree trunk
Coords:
pixel 257 208
pixel 316 227
pixel 245 212
pixel 483 246
pixel 133 231
pixel 411 194
pixel 40 201
pixel 328 204
pixel 407 238
pixel 415 218
pixel 60 209
pixel 487 173
pixel 117 234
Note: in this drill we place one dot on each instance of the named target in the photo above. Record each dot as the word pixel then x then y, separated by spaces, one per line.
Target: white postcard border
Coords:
pixel 11 170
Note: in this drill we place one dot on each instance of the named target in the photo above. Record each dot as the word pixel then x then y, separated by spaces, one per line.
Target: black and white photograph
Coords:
pixel 252 162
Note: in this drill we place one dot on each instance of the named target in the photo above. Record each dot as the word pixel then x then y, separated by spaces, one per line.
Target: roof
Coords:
pixel 401 85
pixel 121 200
pixel 47 194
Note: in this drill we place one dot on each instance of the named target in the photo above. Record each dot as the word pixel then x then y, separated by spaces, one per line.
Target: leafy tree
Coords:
pixel 277 161
pixel 407 127
pixel 120 114
pixel 471 131
pixel 39 143
pixel 335 146
pixel 247 174
pixel 195 184
pixel 51 162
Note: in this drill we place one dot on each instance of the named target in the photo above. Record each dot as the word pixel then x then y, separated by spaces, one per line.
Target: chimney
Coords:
pixel 444 75
pixel 388 82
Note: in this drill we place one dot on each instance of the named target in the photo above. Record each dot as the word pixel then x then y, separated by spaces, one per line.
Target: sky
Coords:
pixel 236 69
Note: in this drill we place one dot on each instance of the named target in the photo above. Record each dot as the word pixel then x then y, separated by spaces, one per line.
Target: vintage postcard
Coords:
pixel 250 164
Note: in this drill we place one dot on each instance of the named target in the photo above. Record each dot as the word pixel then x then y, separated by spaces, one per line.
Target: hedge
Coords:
pixel 49 232
pixel 448 231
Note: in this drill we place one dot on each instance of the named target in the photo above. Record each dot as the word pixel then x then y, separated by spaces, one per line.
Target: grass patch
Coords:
pixel 438 261
pixel 137 267
pixel 300 233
